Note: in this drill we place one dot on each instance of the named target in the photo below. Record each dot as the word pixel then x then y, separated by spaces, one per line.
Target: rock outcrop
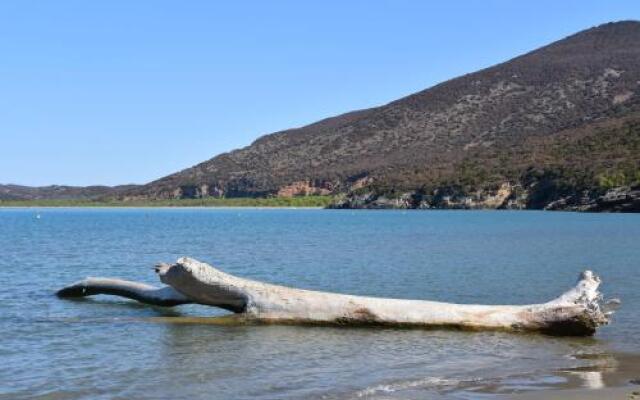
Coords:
pixel 305 188
pixel 620 199
pixel 506 197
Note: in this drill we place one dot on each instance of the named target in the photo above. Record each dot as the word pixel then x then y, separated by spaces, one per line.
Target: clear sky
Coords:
pixel 113 92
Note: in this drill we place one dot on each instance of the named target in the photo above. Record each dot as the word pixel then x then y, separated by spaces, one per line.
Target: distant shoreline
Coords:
pixel 617 380
pixel 259 202
pixel 2 207
pixel 625 204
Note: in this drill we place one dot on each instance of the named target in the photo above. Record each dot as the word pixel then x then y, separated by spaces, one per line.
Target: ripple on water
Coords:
pixel 106 348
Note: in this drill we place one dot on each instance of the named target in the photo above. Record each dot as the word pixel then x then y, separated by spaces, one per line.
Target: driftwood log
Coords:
pixel 577 312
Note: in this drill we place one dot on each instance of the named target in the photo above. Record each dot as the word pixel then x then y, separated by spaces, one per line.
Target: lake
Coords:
pixel 109 348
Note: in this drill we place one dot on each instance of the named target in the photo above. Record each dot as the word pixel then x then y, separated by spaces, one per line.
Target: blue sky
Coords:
pixel 113 92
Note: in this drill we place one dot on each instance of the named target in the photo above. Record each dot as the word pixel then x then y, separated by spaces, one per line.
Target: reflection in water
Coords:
pixel 372 362
pixel 591 379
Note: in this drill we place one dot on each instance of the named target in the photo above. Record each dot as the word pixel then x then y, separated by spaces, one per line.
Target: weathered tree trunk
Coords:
pixel 576 312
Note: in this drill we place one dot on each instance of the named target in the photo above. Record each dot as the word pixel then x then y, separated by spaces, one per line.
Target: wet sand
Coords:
pixel 617 378
pixel 621 393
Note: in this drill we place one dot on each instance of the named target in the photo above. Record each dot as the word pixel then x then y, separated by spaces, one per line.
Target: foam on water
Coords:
pixel 423 383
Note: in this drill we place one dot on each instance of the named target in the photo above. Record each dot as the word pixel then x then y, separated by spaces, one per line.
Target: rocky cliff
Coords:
pixel 505 197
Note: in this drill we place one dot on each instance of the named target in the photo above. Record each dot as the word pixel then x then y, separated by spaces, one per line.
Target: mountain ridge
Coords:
pixel 587 76
pixel 59 192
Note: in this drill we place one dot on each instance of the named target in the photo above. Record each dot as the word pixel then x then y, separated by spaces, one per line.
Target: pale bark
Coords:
pixel 576 312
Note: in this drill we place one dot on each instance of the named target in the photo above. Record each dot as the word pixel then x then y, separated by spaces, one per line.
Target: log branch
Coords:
pixel 577 312
pixel 165 296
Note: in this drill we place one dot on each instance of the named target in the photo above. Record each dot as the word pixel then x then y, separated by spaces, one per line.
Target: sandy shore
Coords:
pixel 620 393
pixel 615 379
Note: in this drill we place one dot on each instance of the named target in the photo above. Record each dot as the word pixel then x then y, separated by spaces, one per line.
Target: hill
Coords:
pixel 58 192
pixel 565 115
pixel 557 127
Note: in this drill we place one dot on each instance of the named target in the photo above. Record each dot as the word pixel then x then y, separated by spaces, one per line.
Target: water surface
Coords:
pixel 106 348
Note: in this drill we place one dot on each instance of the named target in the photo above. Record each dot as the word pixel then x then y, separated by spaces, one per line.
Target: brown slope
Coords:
pixel 424 139
pixel 60 192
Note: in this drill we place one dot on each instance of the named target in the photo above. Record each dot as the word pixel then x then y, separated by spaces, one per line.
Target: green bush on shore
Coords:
pixel 298 201
pixel 619 178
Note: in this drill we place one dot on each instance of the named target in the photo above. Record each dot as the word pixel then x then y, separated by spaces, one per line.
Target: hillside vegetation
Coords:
pixel 565 115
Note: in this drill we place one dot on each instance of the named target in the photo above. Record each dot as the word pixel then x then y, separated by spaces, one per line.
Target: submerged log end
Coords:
pixel 76 289
pixel 165 296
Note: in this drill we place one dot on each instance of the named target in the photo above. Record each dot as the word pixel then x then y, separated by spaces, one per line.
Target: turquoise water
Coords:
pixel 106 348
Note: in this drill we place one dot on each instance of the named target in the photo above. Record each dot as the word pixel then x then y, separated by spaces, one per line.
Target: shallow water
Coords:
pixel 105 348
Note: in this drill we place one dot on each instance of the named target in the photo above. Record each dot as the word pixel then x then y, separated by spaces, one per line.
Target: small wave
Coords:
pixel 423 383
